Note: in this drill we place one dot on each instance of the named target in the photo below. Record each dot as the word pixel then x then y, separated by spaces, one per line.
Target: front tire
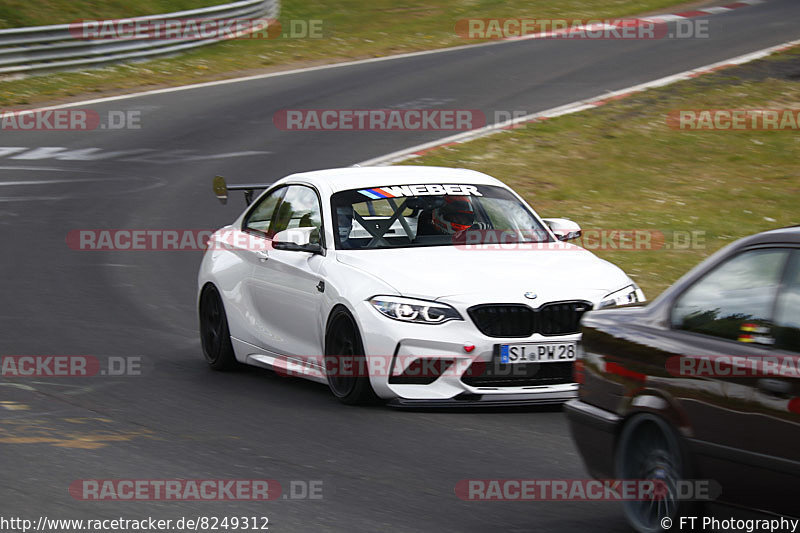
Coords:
pixel 649 449
pixel 214 333
pixel 345 362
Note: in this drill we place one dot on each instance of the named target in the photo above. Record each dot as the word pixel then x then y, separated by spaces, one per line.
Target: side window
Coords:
pixel 299 209
pixel 787 314
pixel 262 214
pixel 734 301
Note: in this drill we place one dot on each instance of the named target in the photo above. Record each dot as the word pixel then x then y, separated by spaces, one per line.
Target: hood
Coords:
pixel 457 274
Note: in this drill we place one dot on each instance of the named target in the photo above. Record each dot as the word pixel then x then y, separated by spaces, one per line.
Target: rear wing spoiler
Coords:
pixel 221 189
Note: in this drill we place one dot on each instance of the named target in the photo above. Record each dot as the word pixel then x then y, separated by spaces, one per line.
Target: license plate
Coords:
pixel 537 352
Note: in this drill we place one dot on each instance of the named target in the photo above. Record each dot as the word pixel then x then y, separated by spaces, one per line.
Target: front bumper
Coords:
pixel 471 401
pixel 396 345
pixel 594 431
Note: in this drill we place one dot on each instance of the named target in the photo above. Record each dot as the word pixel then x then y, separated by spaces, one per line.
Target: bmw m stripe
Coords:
pixel 376 194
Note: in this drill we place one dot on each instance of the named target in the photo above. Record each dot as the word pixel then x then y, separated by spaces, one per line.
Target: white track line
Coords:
pixel 262 76
pixel 574 107
pixel 329 66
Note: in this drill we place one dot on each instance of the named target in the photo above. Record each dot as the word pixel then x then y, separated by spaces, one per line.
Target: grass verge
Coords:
pixel 19 13
pixel 350 29
pixel 621 166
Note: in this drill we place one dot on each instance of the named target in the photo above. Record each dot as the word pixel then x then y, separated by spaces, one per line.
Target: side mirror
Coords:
pixel 564 229
pixel 298 240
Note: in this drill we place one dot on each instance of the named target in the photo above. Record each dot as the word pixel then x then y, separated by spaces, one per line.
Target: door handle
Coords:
pixel 777 387
pixel 262 255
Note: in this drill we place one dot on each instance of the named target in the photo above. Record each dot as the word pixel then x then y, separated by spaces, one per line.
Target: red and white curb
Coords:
pixel 627 22
pixel 574 107
pixel 701 12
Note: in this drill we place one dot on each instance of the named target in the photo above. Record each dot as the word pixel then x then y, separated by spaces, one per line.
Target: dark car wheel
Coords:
pixel 345 364
pixel 649 449
pixel 214 333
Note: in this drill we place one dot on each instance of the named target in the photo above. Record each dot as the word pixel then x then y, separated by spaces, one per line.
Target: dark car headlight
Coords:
pixel 627 295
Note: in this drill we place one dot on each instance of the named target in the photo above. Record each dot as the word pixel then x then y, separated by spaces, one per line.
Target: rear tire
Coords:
pixel 345 363
pixel 649 449
pixel 214 333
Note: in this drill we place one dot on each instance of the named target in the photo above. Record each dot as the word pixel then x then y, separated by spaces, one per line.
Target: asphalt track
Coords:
pixel 381 469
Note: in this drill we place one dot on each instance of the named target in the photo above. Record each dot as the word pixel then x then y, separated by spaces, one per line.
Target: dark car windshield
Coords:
pixel 405 216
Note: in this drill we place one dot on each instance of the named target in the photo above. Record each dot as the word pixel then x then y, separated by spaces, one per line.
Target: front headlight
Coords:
pixel 413 310
pixel 629 295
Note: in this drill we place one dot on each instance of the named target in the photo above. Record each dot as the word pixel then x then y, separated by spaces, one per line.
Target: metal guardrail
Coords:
pixel 56 47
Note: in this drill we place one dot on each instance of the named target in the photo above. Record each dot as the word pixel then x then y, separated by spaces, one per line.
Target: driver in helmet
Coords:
pixel 456 215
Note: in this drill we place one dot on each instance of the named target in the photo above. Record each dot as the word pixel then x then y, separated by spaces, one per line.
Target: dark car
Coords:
pixel 701 384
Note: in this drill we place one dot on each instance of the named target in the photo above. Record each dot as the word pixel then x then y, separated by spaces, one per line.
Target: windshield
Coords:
pixel 405 216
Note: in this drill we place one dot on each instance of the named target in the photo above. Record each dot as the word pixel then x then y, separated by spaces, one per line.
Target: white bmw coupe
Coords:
pixel 412 285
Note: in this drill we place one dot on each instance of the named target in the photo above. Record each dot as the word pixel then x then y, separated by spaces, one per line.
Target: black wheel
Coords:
pixel 345 364
pixel 214 333
pixel 649 449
